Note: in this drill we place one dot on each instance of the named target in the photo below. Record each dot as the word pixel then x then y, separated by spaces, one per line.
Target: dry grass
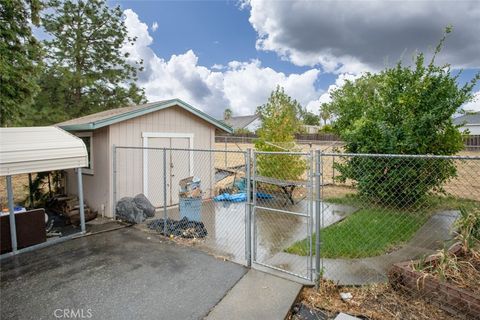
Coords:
pixel 373 302
pixel 461 271
pixel 465 185
pixel 20 189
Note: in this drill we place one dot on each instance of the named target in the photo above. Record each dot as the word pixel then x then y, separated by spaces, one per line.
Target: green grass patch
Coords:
pixel 374 230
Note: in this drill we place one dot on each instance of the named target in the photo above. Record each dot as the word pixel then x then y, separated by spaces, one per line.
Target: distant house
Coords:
pixel 469 121
pixel 311 129
pixel 250 123
pixel 162 124
pixel 253 122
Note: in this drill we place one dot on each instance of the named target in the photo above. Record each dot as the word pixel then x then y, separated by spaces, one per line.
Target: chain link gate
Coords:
pixel 259 231
pixel 282 212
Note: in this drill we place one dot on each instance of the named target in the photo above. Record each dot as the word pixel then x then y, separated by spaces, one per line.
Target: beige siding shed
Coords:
pixel 165 124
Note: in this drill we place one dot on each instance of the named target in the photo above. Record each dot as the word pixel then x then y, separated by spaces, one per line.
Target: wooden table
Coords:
pixel 288 186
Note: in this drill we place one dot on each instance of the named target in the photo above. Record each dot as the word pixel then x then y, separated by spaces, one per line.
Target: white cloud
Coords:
pixel 242 86
pixel 154 26
pixel 326 96
pixel 357 36
pixel 473 105
pixel 217 66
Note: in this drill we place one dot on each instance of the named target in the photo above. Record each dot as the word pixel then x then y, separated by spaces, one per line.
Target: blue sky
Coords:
pixel 307 47
pixel 217 31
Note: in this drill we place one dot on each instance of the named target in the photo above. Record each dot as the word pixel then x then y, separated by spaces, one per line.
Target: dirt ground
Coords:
pixel 376 302
pixel 20 189
pixel 465 185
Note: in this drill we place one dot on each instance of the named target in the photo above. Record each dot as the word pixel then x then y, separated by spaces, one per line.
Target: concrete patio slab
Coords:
pixel 344 316
pixel 257 295
pixel 122 274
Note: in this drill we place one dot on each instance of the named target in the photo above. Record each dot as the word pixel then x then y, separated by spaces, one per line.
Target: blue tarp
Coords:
pixel 240 197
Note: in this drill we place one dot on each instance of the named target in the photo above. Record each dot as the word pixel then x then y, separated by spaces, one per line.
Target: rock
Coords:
pixel 142 203
pixel 127 210
pixel 346 296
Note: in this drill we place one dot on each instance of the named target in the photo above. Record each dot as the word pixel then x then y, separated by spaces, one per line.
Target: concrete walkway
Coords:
pixel 429 237
pixel 257 295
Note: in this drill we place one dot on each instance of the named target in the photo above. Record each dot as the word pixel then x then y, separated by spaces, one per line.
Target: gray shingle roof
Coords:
pixel 240 122
pixel 108 117
pixel 471 118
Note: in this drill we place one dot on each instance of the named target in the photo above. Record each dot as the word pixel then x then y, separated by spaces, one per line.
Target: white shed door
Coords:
pixel 154 171
pixel 177 166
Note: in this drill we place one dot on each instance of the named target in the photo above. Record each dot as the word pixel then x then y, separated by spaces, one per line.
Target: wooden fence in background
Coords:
pixel 472 142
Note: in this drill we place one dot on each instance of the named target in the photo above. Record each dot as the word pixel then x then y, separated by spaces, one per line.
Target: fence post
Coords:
pixel 225 151
pixel 254 203
pixel 318 186
pixel 11 217
pixel 80 199
pixel 311 224
pixel 164 191
pixel 333 170
pixel 114 181
pixel 248 216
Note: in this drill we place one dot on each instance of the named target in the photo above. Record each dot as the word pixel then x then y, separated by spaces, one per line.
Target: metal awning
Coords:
pixel 38 149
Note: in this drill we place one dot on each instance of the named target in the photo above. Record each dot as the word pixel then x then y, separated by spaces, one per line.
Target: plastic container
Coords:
pixel 191 208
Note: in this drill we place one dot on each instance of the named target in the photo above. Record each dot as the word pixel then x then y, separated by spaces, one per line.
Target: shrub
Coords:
pixel 401 110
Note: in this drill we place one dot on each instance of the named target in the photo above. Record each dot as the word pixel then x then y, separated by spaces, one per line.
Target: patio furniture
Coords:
pixel 287 186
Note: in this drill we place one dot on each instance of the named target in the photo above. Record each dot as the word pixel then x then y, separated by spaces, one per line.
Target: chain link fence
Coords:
pixel 185 187
pixel 347 218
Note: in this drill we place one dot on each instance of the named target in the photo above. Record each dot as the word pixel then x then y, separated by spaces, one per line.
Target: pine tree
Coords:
pixel 20 57
pixel 85 56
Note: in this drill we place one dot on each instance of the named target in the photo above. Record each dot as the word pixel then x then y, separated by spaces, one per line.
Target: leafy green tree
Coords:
pixel 310 119
pixel 326 129
pixel 325 112
pixel 85 54
pixel 401 110
pixel 227 114
pixel 20 59
pixel 280 122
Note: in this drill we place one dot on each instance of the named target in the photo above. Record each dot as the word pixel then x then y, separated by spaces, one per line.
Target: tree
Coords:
pixel 49 106
pixel 20 59
pixel 227 114
pixel 85 54
pixel 401 110
pixel 280 122
pixel 311 119
pixel 325 112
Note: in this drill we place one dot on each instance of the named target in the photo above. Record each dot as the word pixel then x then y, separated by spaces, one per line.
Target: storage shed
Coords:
pixel 162 124
pixel 38 149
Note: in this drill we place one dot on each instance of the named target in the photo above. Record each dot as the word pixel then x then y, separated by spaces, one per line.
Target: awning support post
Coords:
pixel 80 199
pixel 13 227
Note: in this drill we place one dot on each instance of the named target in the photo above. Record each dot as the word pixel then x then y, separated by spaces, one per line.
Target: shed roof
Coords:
pixel 468 119
pixel 112 116
pixel 38 149
pixel 241 121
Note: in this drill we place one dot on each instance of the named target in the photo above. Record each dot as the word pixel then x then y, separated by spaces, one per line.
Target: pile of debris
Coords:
pixel 184 228
pixel 134 210
pixel 69 207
